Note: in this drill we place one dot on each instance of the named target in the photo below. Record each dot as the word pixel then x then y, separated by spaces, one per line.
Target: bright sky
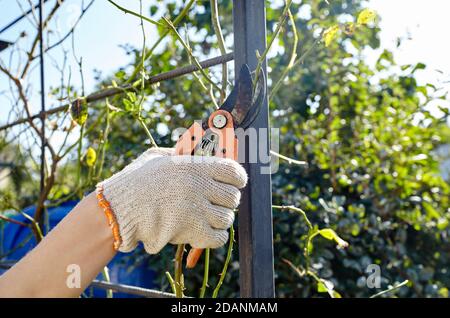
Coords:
pixel 425 24
pixel 104 28
pixel 97 40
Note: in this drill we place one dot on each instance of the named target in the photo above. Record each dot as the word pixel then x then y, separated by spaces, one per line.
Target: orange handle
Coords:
pixel 227 148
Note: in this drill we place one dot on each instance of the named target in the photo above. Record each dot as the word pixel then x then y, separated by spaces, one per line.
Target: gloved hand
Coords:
pixel 160 198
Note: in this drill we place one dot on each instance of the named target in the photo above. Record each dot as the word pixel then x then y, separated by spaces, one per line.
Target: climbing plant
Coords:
pixel 358 183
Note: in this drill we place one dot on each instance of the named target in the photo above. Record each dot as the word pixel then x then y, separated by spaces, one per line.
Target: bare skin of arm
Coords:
pixel 83 242
pixel 83 238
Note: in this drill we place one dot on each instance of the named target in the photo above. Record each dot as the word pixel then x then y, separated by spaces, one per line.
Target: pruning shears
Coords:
pixel 215 135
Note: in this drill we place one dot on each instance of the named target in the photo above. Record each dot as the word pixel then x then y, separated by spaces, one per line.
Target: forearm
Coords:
pixel 82 240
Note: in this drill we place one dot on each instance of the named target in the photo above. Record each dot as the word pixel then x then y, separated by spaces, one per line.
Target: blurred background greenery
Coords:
pixel 372 144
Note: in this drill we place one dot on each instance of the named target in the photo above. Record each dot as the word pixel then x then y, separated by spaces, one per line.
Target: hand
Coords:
pixel 160 198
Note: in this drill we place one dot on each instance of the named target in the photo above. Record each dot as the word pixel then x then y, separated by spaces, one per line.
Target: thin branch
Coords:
pixel 71 31
pixel 105 274
pixel 179 279
pixel 91 127
pixel 205 274
pixel 135 14
pixel 33 21
pixel 147 132
pixel 391 289
pixel 171 282
pixel 104 141
pixel 310 234
pixel 143 75
pixel 281 21
pixel 189 51
pixel 302 273
pixel 291 59
pixel 24 99
pixel 111 91
pixel 300 60
pixel 289 160
pixel 221 43
pixel 296 269
pixel 198 79
pixel 7 219
pixel 142 82
pixel 296 210
pixel 36 39
pixel 225 265
pixel 149 53
pixel 34 226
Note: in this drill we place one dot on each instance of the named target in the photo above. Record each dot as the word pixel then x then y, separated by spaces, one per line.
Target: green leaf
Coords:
pixel 355 229
pixel 326 286
pixel 331 235
pixel 366 16
pixel 405 67
pixel 431 211
pixel 129 106
pixel 442 224
pixel 330 34
pixel 153 10
pixel 321 288
pixel 443 292
pixel 309 247
pixel 78 111
pixel 327 233
pixel 132 97
pixel 91 157
pixel 419 66
pixel 112 108
pixel 336 294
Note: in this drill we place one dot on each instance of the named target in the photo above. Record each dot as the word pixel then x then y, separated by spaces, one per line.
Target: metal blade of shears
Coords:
pixel 239 110
pixel 244 103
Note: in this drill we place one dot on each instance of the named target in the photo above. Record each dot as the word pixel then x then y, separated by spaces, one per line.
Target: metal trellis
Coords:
pixel 42 79
pixel 255 213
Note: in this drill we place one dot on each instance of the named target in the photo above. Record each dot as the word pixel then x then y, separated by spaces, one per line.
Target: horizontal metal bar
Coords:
pixel 6 265
pixel 132 290
pixel 4 45
pixel 120 288
pixel 256 265
pixel 7 164
pixel 20 17
pixel 104 93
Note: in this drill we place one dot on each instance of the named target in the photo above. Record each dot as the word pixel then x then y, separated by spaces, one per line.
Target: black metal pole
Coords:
pixel 108 92
pixel 255 212
pixel 41 51
pixel 12 23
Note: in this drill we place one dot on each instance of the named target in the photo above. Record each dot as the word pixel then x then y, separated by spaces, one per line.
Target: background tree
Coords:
pixel 366 133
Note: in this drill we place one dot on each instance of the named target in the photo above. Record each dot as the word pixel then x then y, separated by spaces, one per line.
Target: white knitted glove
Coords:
pixel 160 199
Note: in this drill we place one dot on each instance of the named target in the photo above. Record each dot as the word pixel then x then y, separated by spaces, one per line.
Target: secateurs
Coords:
pixel 215 136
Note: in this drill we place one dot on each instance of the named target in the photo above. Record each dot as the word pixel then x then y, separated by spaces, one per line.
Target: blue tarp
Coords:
pixel 16 241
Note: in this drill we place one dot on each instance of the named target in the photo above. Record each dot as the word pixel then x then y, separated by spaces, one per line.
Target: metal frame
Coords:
pixel 42 79
pixel 5 44
pixel 255 231
pixel 255 212
pixel 16 20
pixel 120 288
